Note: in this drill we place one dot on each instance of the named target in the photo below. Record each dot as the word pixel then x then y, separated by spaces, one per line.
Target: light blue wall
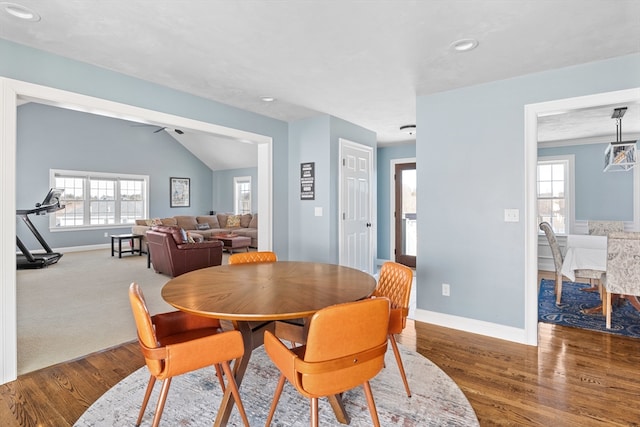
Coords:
pixel 317 140
pixel 598 195
pixel 56 138
pixel 385 155
pixel 39 67
pixel 309 235
pixel 470 149
pixel 223 188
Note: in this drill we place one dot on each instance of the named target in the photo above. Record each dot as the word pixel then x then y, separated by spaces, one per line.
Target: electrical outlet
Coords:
pixel 446 291
pixel 106 234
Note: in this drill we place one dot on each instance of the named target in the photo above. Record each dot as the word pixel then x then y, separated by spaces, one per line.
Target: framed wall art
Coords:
pixel 180 192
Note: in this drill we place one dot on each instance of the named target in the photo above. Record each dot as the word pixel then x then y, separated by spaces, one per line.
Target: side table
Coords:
pixel 131 238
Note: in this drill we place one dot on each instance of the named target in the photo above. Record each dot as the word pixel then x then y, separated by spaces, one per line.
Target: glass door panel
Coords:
pixel 405 214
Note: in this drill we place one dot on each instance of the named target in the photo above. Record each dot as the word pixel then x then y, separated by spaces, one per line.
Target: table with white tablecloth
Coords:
pixel 584 252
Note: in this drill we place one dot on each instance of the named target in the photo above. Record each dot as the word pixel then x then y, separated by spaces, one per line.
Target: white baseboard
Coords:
pixel 83 248
pixel 474 326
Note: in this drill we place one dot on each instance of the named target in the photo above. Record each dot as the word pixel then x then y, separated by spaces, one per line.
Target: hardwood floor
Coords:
pixel 574 378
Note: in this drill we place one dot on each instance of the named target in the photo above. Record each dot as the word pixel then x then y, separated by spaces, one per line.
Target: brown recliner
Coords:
pixel 169 255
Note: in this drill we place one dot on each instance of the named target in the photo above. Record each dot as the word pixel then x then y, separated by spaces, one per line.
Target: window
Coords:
pixel 94 199
pixel 242 194
pixel 555 175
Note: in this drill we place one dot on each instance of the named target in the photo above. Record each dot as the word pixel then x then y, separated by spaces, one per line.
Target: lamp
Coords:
pixel 619 155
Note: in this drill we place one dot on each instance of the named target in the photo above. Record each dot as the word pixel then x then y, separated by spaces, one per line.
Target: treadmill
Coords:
pixel 28 260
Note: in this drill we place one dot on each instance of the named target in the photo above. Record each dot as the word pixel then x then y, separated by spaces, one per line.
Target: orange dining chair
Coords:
pixel 395 285
pixel 250 257
pixel 175 343
pixel 345 348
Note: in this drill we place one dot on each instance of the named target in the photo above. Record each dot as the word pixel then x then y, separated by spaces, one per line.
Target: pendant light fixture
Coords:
pixel 619 155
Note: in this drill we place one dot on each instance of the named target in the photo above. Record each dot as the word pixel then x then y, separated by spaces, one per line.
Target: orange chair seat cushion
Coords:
pixel 177 322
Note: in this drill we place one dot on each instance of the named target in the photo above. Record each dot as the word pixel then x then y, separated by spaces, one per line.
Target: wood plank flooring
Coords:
pixel 574 378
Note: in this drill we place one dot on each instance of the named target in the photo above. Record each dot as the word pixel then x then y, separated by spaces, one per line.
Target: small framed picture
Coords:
pixel 180 192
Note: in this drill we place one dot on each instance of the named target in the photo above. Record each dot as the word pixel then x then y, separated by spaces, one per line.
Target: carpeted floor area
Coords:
pixel 80 305
pixel 625 320
pixel 194 398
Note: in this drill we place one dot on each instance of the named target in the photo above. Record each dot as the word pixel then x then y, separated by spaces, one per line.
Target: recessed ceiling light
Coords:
pixel 268 98
pixel 410 129
pixel 464 45
pixel 20 12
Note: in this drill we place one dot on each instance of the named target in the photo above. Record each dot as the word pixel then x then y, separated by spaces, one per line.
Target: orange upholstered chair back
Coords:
pixel 250 257
pixel 395 284
pixel 146 331
pixel 350 340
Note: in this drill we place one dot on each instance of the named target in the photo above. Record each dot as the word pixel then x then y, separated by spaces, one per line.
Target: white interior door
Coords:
pixel 355 206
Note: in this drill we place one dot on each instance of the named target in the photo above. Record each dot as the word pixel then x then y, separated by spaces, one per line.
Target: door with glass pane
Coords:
pixel 405 214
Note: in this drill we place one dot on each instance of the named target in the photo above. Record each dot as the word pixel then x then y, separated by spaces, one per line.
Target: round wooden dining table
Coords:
pixel 254 296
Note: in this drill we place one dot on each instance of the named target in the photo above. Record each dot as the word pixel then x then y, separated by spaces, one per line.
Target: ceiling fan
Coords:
pixel 161 128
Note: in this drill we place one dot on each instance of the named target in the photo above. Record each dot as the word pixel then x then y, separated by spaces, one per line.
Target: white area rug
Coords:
pixel 194 399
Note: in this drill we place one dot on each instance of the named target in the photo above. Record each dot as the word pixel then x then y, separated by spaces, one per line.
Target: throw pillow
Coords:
pixel 156 221
pixel 254 221
pixel 245 220
pixel 190 238
pixel 233 221
pixel 183 233
pixel 212 220
pixel 203 226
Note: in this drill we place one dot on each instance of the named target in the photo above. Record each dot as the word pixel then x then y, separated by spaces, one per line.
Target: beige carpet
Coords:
pixel 80 305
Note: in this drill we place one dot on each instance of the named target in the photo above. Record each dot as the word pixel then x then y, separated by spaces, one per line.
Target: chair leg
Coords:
pixel 235 392
pixel 147 394
pixel 276 397
pixel 608 303
pixel 558 288
pixel 219 375
pixel 314 412
pixel 371 403
pixel 396 352
pixel 161 401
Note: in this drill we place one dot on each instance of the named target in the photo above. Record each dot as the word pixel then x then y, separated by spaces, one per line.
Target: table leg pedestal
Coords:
pixel 338 409
pixel 252 337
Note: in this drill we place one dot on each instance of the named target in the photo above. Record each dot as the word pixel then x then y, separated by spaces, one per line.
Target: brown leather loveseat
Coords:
pixel 171 255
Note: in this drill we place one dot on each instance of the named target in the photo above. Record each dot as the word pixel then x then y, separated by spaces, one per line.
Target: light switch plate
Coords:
pixel 318 211
pixel 511 215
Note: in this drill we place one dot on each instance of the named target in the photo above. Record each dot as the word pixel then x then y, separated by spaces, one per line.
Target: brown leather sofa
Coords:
pixel 172 256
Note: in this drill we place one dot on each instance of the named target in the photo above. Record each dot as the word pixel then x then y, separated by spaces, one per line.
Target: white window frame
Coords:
pixel 87 176
pixel 237 181
pixel 569 196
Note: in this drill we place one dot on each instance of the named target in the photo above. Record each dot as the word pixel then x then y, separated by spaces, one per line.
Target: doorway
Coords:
pixel 404 214
pixel 12 93
pixel 355 222
pixel 532 113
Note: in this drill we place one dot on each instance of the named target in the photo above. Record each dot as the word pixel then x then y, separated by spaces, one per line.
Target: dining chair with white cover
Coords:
pixel 558 259
pixel 603 228
pixel 623 268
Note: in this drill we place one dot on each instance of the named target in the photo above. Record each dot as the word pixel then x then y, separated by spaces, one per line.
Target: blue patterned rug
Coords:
pixel 194 398
pixel 625 320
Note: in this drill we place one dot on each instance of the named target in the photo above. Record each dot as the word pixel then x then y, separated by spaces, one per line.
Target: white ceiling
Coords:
pixel 361 61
